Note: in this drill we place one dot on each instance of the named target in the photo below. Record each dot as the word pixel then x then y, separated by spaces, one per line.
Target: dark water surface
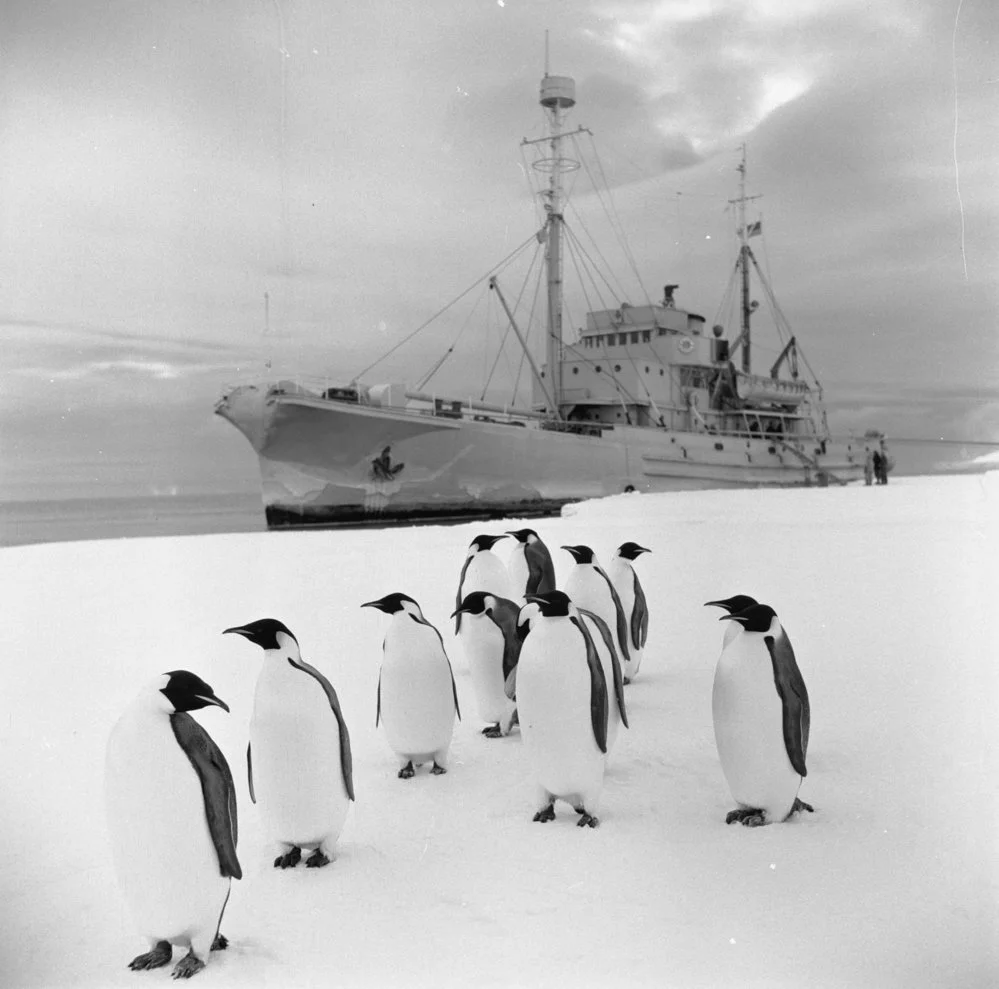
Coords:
pixel 113 518
pixel 181 515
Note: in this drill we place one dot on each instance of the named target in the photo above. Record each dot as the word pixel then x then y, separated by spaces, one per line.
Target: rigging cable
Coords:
pixel 458 298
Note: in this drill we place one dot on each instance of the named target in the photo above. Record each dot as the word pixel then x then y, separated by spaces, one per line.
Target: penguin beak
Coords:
pixel 373 604
pixel 732 618
pixel 217 701
pixel 716 604
pixel 454 614
pixel 239 631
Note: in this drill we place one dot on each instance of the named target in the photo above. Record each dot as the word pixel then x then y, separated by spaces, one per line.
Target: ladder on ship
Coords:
pixel 814 464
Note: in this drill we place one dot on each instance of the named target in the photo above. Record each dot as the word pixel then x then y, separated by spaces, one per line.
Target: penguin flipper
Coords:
pixel 794 700
pixel 346 760
pixel 505 617
pixel 217 789
pixel 639 617
pixel 454 688
pixel 622 623
pixel 605 634
pixel 598 688
pixel 440 639
pixel 540 569
pixel 378 701
pixel 249 771
pixel 458 599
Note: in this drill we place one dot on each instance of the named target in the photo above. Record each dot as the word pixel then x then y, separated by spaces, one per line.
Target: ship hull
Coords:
pixel 325 462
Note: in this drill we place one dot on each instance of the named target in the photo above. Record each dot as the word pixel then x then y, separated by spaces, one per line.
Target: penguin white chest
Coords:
pixel 416 691
pixel 483 644
pixel 553 704
pixel 164 858
pixel 487 572
pixel 623 579
pixel 587 589
pixel 748 723
pixel 295 748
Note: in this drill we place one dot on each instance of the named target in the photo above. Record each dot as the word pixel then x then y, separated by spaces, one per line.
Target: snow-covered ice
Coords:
pixel 888 594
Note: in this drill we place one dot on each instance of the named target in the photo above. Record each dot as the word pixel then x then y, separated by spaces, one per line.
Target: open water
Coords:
pixel 24 522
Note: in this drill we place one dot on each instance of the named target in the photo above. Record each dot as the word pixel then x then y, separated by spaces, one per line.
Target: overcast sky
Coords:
pixel 164 165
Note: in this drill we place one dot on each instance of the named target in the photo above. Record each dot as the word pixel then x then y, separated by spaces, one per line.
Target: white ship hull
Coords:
pixel 330 462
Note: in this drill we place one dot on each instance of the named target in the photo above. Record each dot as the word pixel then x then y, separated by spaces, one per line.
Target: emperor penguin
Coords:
pixel 761 719
pixel 491 643
pixel 623 576
pixel 171 816
pixel 298 760
pixel 590 588
pixel 483 570
pixel 530 566
pixel 417 696
pixel 562 706
pixel 737 602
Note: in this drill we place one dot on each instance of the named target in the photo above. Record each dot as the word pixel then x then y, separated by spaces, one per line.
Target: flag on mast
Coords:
pixel 754 229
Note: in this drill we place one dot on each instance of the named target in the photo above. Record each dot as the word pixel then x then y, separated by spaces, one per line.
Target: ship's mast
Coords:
pixel 747 307
pixel 558 96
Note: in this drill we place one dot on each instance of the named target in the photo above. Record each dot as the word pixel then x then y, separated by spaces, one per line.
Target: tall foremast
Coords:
pixel 746 307
pixel 558 96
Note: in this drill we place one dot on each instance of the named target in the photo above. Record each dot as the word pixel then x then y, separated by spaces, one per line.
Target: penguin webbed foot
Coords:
pixel 289 860
pixel 492 731
pixel 586 820
pixel 159 955
pixel 189 965
pixel 407 772
pixel 317 860
pixel 546 814
pixel 800 805
pixel 750 817
pixel 220 943
pixel 438 770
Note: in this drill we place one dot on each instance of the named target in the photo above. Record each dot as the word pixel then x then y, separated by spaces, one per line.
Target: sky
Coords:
pixel 164 169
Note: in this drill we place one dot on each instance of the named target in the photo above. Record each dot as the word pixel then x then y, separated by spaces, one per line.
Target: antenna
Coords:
pixel 546 51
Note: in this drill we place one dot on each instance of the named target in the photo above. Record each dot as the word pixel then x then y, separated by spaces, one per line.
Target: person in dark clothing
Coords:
pixel 878 464
pixel 881 467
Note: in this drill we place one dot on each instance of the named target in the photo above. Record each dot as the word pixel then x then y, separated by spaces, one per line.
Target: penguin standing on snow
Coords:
pixel 636 612
pixel 492 645
pixel 417 697
pixel 761 719
pixel 298 761
pixel 530 566
pixel 589 587
pixel 562 706
pixel 483 570
pixel 171 815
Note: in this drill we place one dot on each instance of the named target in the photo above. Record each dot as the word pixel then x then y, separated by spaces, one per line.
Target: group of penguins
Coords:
pixel 552 662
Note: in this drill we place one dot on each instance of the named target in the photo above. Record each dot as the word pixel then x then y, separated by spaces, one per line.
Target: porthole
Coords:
pixel 597 368
pixel 575 370
pixel 617 367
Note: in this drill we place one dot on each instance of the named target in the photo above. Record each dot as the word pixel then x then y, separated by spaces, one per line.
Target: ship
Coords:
pixel 644 399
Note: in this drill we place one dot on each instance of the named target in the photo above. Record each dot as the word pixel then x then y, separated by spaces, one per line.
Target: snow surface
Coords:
pixel 888 594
